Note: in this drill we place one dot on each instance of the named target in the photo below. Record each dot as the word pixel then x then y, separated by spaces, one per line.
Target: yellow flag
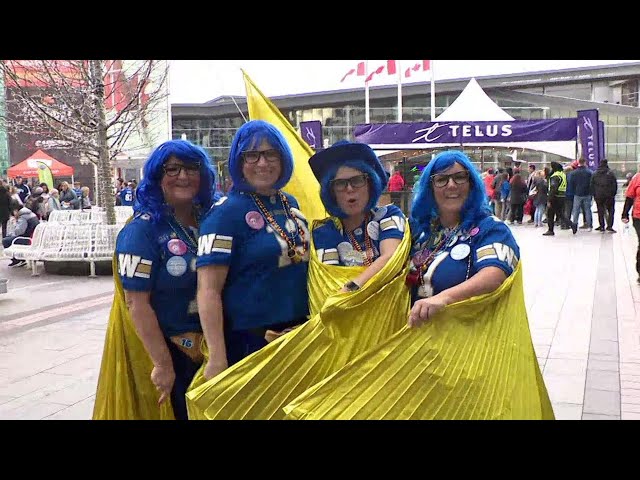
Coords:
pixel 125 390
pixel 303 184
pixel 473 360
pixel 44 174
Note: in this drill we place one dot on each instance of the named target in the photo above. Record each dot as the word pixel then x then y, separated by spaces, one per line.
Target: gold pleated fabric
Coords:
pixel 342 326
pixel 473 360
pixel 125 390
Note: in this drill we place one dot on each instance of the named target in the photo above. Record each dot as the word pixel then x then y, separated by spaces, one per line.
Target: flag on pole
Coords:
pixel 303 184
pixel 423 66
pixel 359 71
pixel 44 174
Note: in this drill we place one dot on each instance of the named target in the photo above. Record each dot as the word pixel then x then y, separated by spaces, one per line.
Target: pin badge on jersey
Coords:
pixel 474 231
pixel 254 220
pixel 177 246
pixel 460 251
pixel 373 229
pixel 176 266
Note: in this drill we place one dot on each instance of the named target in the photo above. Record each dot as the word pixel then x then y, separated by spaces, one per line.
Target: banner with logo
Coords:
pixel 588 134
pixel 460 133
pixel 311 132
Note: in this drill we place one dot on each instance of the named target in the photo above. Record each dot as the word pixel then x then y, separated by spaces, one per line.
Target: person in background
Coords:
pixel 53 203
pixel 68 198
pixel 556 199
pixel 127 195
pixel 632 200
pixel 26 223
pixel 604 188
pixel 489 188
pixel 85 201
pixel 539 194
pixel 518 196
pixel 5 208
pixel 580 183
pixel 22 188
pixel 77 188
pixel 396 185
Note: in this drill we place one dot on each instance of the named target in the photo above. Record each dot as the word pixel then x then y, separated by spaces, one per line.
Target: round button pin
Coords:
pixel 254 220
pixel 460 251
pixel 176 266
pixel 177 246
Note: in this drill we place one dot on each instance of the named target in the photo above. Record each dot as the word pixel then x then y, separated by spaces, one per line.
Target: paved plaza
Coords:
pixel 581 293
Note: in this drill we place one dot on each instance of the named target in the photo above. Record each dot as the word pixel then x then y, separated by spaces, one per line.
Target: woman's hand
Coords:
pixel 213 368
pixel 163 377
pixel 425 309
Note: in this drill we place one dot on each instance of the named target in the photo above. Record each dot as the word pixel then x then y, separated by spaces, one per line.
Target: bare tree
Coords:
pixel 97 108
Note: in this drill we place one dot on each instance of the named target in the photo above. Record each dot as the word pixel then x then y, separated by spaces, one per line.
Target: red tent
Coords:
pixel 29 167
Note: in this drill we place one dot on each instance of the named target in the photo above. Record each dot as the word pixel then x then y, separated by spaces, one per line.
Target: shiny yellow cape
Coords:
pixel 342 326
pixel 125 390
pixel 474 360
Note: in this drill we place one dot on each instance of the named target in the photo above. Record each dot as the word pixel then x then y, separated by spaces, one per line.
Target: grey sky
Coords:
pixel 196 81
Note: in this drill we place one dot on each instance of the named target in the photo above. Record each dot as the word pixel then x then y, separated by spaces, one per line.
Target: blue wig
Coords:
pixel 248 137
pixel 424 207
pixel 328 197
pixel 149 197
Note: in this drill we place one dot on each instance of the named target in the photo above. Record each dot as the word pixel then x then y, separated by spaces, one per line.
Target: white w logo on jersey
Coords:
pixel 133 266
pixel 506 254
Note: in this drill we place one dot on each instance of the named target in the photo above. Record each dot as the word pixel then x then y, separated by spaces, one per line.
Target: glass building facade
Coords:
pixel 613 90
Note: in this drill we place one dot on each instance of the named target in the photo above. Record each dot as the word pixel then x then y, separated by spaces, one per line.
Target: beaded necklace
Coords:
pixel 367 255
pixel 292 253
pixel 192 242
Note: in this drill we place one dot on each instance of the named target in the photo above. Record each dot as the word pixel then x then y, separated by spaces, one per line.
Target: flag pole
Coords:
pixel 399 67
pixel 433 91
pixel 366 92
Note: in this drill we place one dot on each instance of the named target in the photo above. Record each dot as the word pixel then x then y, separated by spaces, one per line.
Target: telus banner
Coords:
pixel 588 135
pixel 311 132
pixel 467 132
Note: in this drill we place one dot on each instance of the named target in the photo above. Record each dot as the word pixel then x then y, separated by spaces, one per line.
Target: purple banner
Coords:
pixel 311 133
pixel 563 129
pixel 588 146
pixel 601 141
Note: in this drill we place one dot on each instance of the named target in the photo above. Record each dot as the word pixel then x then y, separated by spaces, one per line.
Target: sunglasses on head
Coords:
pixel 174 170
pixel 252 156
pixel 441 180
pixel 357 181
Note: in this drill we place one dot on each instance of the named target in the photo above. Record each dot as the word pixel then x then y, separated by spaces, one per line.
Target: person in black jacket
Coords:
pixel 556 199
pixel 604 187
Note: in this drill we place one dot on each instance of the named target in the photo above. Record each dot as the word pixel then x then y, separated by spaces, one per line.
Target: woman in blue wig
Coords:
pixel 253 251
pixel 460 250
pixel 360 233
pixel 156 256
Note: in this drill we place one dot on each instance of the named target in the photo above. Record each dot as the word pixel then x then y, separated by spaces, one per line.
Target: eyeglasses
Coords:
pixel 441 180
pixel 192 169
pixel 252 156
pixel 358 181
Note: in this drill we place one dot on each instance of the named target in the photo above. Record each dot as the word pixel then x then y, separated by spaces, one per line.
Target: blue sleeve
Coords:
pixel 495 246
pixel 218 232
pixel 392 222
pixel 138 256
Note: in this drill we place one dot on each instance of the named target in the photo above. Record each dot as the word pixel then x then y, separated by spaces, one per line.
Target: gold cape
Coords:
pixel 125 390
pixel 474 360
pixel 342 326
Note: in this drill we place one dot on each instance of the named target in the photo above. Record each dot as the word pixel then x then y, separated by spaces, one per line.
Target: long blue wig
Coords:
pixel 248 137
pixel 149 197
pixel 424 207
pixel 326 193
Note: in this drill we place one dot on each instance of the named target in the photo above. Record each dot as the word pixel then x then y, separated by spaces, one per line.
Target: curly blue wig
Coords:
pixel 424 207
pixel 328 197
pixel 248 137
pixel 149 197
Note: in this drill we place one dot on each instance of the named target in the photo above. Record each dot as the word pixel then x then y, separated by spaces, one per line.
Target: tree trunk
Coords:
pixel 104 161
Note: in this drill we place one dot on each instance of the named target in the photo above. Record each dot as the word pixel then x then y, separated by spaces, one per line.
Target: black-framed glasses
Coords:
pixel 252 156
pixel 357 181
pixel 441 180
pixel 173 170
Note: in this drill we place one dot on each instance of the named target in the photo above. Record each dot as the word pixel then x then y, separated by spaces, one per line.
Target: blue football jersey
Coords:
pixel 488 244
pixel 158 258
pixel 263 286
pixel 334 247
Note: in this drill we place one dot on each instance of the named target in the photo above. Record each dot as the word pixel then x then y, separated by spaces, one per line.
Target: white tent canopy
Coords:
pixel 473 105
